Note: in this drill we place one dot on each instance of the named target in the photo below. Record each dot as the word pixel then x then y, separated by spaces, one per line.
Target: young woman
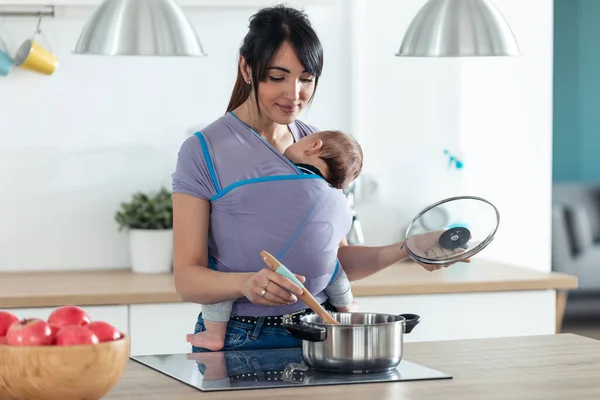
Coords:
pixel 234 194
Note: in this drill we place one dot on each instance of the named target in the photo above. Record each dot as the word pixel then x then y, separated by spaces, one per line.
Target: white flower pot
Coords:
pixel 151 250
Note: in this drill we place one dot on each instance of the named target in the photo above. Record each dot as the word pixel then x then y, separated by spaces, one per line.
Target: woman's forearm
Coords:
pixel 362 261
pixel 202 285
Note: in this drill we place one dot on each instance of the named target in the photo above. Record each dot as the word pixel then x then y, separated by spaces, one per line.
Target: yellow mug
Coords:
pixel 32 56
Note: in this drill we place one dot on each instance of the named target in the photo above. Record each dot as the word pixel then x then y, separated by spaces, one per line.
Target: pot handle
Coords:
pixel 305 332
pixel 411 320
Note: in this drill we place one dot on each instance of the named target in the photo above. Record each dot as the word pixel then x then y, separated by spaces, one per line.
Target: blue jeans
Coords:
pixel 248 336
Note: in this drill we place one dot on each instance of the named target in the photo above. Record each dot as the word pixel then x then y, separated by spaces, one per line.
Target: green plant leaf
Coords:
pixel 146 211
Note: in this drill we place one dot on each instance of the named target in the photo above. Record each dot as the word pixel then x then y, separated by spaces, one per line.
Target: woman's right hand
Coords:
pixel 270 288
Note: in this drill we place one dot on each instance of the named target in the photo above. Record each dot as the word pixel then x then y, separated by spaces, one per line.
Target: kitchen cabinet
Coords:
pixel 471 315
pixel 117 316
pixel 161 328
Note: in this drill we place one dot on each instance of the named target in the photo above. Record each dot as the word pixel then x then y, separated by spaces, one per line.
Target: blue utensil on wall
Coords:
pixel 6 62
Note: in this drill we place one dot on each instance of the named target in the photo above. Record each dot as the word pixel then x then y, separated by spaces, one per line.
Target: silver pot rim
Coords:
pixel 402 318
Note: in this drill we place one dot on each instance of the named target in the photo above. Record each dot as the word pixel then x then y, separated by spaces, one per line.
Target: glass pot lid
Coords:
pixel 452 230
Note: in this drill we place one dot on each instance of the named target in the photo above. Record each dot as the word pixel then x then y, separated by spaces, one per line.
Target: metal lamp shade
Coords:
pixel 458 28
pixel 139 28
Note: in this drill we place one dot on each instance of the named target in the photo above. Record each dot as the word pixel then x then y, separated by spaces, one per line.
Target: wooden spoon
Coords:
pixel 306 297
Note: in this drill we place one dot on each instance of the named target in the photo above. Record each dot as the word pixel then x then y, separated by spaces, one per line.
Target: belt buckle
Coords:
pixel 287 318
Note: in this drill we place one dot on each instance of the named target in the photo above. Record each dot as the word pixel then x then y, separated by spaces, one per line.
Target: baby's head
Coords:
pixel 338 156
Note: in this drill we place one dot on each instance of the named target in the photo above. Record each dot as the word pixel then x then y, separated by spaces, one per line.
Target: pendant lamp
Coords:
pixel 458 28
pixel 139 28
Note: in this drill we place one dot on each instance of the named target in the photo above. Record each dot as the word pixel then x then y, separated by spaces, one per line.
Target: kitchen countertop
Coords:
pixel 536 367
pixel 113 287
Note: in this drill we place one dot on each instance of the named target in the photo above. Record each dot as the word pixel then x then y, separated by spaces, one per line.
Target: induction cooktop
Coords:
pixel 264 369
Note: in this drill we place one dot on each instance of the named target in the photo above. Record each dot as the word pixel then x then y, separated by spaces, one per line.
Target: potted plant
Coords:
pixel 149 220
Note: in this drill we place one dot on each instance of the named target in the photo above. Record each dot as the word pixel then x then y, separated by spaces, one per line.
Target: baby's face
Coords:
pixel 302 150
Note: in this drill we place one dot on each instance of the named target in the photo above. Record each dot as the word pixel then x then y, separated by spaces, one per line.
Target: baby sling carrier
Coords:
pixel 263 201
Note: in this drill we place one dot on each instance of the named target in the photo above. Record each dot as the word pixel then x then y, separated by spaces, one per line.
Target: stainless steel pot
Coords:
pixel 362 342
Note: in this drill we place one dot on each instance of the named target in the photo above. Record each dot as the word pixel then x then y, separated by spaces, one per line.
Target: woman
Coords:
pixel 217 237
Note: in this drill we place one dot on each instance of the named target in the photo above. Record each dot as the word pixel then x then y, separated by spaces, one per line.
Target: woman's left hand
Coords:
pixel 426 245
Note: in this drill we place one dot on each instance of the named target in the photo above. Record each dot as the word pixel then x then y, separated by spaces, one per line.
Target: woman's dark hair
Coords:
pixel 269 29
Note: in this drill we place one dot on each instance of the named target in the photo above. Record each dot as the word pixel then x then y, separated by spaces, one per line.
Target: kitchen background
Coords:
pixel 77 143
pixel 576 165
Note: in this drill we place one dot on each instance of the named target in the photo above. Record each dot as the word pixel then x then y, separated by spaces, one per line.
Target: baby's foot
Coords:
pixel 207 340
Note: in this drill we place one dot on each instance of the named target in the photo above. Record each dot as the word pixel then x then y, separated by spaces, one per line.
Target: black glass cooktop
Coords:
pixel 263 369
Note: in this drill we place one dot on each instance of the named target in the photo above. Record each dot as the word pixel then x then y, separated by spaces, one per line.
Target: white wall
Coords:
pixel 506 133
pixel 496 113
pixel 75 144
pixel 406 115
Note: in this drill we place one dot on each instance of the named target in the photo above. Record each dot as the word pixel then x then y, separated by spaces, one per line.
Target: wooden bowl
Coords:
pixel 82 372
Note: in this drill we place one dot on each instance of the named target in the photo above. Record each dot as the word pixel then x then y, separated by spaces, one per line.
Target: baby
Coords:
pixel 338 159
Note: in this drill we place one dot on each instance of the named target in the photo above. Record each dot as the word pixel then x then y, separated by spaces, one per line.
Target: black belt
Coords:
pixel 278 320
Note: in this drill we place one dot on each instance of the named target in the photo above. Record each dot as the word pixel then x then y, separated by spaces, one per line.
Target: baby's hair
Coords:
pixel 343 156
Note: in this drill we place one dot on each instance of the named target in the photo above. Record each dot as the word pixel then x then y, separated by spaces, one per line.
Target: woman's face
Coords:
pixel 287 90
